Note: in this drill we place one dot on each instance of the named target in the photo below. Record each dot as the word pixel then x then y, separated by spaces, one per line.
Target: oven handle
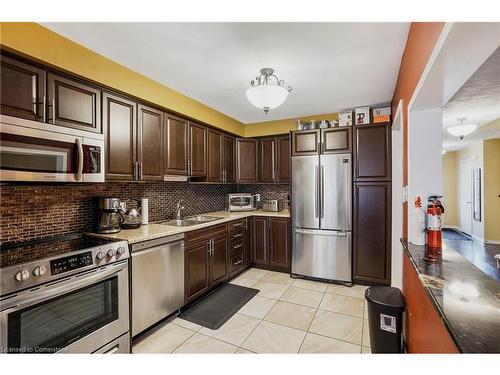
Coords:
pixel 54 291
pixel 79 171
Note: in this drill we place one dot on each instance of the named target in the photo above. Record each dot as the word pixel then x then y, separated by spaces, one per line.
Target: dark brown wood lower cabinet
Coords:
pixel 271 243
pixel 197 272
pixel 260 241
pixel 372 233
pixel 218 260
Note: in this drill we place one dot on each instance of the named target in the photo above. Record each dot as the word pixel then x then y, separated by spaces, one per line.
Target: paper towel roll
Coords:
pixel 145 210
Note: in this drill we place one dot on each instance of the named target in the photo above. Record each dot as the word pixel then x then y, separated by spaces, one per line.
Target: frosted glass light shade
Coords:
pixel 461 130
pixel 267 96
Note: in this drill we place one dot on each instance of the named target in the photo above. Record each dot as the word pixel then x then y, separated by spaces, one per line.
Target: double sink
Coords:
pixel 190 221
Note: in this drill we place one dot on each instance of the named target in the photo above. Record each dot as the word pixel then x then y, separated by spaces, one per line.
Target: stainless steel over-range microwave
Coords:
pixel 32 151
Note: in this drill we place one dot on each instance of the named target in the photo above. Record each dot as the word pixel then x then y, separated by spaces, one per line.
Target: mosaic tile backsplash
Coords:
pixel 29 212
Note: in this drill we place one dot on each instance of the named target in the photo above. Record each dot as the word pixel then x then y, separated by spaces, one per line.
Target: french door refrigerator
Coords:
pixel 321 217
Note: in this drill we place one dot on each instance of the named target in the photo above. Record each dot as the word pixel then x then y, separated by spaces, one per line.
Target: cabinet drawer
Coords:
pixel 237 225
pixel 236 236
pixel 237 245
pixel 235 262
pixel 205 234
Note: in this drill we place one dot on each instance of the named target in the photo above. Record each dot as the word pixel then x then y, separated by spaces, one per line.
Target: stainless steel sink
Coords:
pixel 190 221
pixel 203 219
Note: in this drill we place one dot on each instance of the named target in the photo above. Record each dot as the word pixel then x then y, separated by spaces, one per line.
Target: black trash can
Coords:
pixel 385 313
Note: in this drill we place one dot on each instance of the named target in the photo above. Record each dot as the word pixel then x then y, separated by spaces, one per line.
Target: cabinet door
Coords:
pixel 283 159
pixel 305 142
pixel 372 233
pixel 175 146
pixel 372 152
pixel 219 260
pixel 197 279
pixel 197 149
pixel 73 104
pixel 229 159
pixel 150 150
pixel 246 160
pixel 248 248
pixel 336 140
pixel 279 243
pixel 214 156
pixel 22 89
pixel 260 240
pixel 267 159
pixel 120 132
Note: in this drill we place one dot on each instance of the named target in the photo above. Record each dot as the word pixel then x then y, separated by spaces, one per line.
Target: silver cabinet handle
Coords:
pixel 44 109
pixel 53 111
pixel 238 262
pixel 237 235
pixel 237 246
pixel 79 171
pixel 33 91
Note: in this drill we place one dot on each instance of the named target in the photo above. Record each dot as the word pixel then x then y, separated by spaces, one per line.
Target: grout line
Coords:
pixel 178 346
pixel 312 320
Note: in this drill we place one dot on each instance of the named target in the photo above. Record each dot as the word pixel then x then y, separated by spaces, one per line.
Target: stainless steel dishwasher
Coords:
pixel 157 280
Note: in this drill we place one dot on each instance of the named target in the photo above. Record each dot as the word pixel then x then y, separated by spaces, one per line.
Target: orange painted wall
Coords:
pixel 421 41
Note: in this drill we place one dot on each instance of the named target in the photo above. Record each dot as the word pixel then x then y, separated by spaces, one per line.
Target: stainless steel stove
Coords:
pixel 75 302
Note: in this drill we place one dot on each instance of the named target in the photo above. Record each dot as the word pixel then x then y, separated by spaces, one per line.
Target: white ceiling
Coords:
pixel 330 66
pixel 478 100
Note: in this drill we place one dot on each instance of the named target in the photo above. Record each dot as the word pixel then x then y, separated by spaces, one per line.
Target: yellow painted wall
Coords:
pixel 491 149
pixel 450 179
pixel 38 42
pixel 282 126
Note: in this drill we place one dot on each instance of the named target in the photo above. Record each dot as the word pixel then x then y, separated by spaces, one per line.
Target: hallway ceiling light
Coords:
pixel 461 130
pixel 267 91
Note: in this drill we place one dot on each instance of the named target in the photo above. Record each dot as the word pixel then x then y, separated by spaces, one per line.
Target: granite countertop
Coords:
pixel 467 299
pixel 153 230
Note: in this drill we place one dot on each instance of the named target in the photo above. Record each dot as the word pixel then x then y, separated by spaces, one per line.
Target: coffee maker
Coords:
pixel 108 215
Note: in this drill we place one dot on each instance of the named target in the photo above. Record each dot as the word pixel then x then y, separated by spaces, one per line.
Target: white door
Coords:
pixel 465 196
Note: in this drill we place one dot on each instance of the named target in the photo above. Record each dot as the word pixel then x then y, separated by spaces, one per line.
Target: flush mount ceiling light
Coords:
pixel 267 91
pixel 461 130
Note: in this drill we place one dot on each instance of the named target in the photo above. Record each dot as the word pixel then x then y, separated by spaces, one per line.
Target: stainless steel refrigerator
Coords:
pixel 321 217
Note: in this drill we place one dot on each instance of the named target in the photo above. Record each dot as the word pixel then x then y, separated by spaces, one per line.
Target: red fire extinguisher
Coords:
pixel 434 211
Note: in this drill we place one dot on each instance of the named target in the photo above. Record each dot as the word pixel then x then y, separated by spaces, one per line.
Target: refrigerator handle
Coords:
pixel 316 192
pixel 322 191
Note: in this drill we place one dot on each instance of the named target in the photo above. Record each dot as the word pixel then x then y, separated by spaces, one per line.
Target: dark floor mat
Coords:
pixel 452 234
pixel 219 306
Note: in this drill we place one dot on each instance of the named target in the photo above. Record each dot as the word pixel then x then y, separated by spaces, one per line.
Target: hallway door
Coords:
pixel 465 196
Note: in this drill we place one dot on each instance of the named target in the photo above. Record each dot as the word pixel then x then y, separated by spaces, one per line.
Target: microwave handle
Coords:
pixel 79 170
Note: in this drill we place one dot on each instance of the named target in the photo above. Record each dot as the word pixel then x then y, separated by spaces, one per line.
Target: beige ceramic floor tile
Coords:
pixel 301 296
pixel 321 344
pixel 356 291
pixel 162 340
pixel 278 278
pixel 203 344
pixel 270 290
pixel 365 350
pixel 274 338
pixel 366 333
pixel 234 331
pixel 337 326
pixel 185 324
pixel 291 315
pixel 341 304
pixel 311 285
pixel 243 351
pixel 254 273
pixel 243 281
pixel 365 311
pixel 257 307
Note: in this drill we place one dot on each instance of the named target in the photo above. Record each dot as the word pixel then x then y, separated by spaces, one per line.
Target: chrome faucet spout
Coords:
pixel 179 210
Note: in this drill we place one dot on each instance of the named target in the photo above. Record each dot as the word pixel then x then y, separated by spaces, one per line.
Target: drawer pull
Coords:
pixel 237 246
pixel 238 262
pixel 238 235
pixel 237 225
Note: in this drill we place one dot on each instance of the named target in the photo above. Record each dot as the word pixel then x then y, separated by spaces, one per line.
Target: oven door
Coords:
pixel 31 154
pixel 78 314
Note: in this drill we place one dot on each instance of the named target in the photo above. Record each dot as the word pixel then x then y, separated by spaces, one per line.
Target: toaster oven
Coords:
pixel 241 202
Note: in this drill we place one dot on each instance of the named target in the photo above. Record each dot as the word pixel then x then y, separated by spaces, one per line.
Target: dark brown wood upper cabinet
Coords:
pixel 372 233
pixel 150 150
pixel 279 243
pixel 246 160
pixel 22 89
pixel 197 138
pixel 372 152
pixel 175 146
pixel 260 240
pixel 229 159
pixel 215 169
pixel 305 142
pixel 73 104
pixel 120 132
pixel 267 159
pixel 336 140
pixel 283 159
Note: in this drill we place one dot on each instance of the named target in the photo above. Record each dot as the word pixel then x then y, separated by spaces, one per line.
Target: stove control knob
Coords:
pixel 100 255
pixel 40 270
pixel 22 275
pixel 110 253
pixel 120 250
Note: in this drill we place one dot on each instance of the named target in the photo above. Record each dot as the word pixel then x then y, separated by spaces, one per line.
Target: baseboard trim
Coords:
pixel 493 242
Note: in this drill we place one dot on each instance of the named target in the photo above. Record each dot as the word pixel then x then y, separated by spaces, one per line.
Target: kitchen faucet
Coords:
pixel 179 210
